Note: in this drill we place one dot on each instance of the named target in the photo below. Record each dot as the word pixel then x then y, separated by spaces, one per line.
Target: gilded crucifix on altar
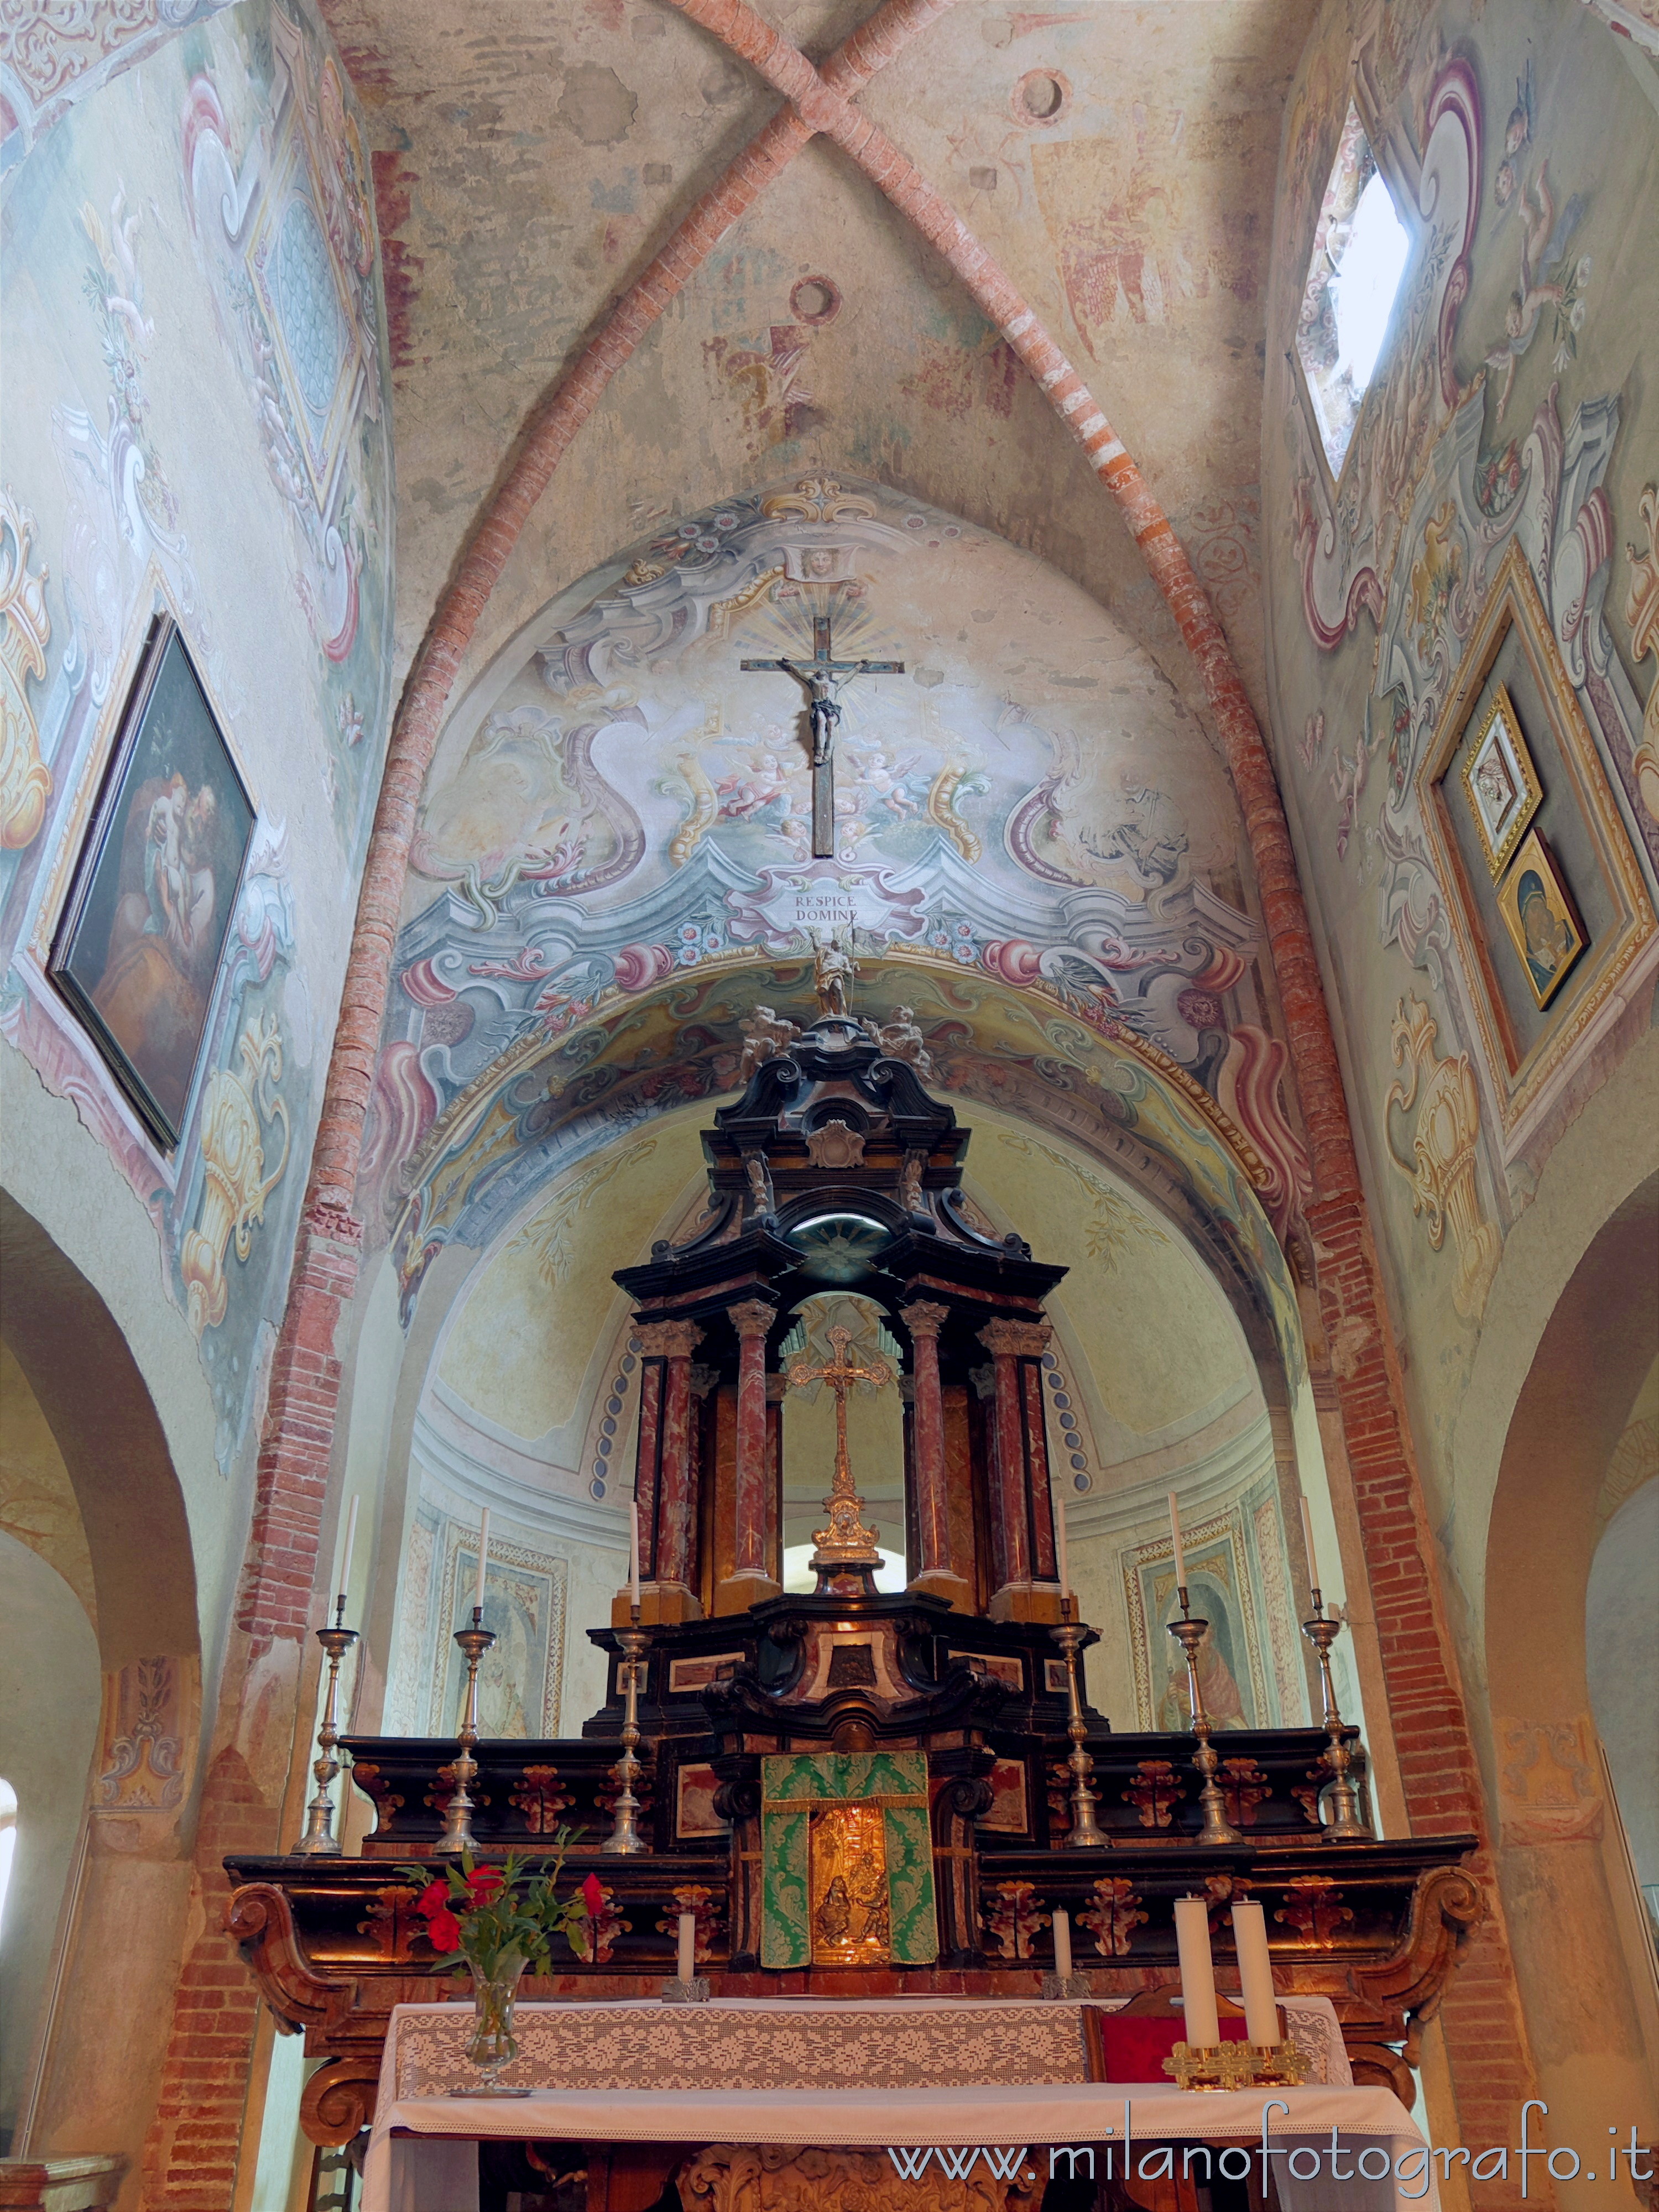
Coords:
pixel 819 678
pixel 845 1542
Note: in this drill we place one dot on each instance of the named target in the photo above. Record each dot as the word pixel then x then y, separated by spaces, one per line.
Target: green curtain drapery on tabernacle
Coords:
pixel 792 1786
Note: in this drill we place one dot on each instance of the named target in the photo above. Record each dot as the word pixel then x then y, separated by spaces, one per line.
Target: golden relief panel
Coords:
pixel 852 1917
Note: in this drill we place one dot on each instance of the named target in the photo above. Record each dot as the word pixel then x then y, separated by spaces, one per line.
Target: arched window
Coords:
pixel 8 1843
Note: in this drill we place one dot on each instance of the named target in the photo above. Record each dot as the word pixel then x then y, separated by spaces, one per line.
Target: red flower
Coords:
pixel 592 1896
pixel 485 1883
pixel 434 1898
pixel 445 1931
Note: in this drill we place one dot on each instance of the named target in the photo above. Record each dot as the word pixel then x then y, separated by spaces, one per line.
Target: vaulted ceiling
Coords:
pixel 1118 160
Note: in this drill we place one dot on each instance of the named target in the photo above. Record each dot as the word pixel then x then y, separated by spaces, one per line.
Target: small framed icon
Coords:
pixel 1542 919
pixel 1500 783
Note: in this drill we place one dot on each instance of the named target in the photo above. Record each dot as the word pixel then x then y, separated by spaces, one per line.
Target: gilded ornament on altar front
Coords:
pixel 852 1915
pixel 1441 1171
pixel 25 628
pixel 238 1113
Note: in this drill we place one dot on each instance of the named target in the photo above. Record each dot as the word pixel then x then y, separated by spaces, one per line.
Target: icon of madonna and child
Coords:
pixel 148 917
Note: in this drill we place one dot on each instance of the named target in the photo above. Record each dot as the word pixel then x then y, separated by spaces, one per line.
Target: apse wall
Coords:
pixel 1482 891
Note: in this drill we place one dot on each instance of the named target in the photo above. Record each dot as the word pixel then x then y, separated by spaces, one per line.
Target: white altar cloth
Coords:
pixel 422 2154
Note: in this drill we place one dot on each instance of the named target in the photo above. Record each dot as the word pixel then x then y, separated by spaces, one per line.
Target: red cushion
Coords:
pixel 1135 2048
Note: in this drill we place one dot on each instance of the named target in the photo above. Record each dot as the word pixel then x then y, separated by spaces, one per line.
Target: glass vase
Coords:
pixel 492 2046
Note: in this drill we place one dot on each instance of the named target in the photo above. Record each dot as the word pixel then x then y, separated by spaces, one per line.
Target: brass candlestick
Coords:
pixel 624 1837
pixel 1189 1634
pixel 1086 1835
pixel 319 1839
pixel 1345 1825
pixel 458 1835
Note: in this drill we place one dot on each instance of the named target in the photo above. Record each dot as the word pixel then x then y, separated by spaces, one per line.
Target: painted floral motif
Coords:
pixel 1113 1917
pixel 701 1903
pixel 537 1796
pixel 1244 1788
pixel 1012 1915
pixel 1313 1905
pixel 1157 1793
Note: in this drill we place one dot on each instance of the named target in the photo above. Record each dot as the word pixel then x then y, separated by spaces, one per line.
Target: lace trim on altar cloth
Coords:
pixel 917 2045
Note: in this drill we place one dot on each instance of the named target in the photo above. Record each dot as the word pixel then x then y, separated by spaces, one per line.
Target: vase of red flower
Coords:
pixel 497 1921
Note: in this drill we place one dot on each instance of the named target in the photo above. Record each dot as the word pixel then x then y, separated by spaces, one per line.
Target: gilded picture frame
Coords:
pixel 138 946
pixel 1543 922
pixel 1501 784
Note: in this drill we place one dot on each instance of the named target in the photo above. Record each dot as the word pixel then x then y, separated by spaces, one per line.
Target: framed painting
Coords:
pixel 137 949
pixel 1542 922
pixel 1500 783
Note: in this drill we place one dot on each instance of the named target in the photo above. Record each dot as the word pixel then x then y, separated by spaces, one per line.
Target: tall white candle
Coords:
pixel 632 1553
pixel 351 1540
pixel 1307 1538
pixel 1192 1919
pixel 483 1561
pixel 1062 1943
pixel 688 1947
pixel 1256 1972
pixel 1174 1532
pixel 1059 1504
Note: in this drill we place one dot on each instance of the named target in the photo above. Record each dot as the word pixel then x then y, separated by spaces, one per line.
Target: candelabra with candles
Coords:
pixel 1346 1824
pixel 624 1837
pixel 319 1840
pixel 458 1835
pixel 1087 1833
pixel 1189 1634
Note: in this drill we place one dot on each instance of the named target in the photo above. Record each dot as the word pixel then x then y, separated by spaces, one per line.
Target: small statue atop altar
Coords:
pixel 834 971
pixel 901 1039
pixel 765 1036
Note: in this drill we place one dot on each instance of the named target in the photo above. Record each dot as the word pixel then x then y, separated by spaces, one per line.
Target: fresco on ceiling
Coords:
pixel 51 58
pixel 1502 420
pixel 195 422
pixel 1027 804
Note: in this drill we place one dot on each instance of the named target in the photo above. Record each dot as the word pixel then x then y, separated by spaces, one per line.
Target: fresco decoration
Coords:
pixel 1239 1683
pixel 633 817
pixel 1348 535
pixel 129 448
pixel 1441 1099
pixel 53 57
pixel 524 1595
pixel 285 230
pixel 560 1101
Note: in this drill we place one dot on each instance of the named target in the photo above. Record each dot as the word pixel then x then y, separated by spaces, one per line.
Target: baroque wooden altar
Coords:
pixel 963 1666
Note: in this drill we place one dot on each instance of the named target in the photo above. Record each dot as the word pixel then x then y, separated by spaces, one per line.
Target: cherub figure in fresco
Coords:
pixel 1517 133
pixel 763 779
pixel 887 779
pixel 1541 242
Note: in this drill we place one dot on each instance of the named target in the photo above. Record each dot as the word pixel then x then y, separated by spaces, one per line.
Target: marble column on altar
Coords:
pixel 750 1580
pixel 1022 1509
pixel 936 1573
pixel 664 1488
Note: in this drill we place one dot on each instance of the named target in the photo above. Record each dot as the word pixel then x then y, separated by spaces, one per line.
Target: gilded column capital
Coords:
pixel 669 1339
pixel 1017 1339
pixel 924 1320
pixel 754 1317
